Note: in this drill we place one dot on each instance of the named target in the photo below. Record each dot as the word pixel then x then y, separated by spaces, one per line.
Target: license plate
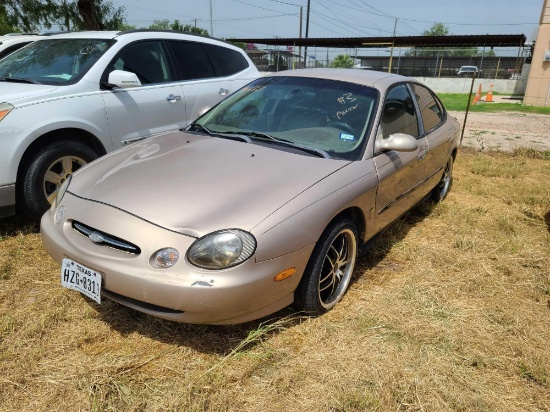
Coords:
pixel 81 278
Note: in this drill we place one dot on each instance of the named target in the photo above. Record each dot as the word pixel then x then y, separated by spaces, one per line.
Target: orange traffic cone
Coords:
pixel 478 95
pixel 489 97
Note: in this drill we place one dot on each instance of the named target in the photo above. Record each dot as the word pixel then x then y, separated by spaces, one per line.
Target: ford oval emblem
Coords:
pixel 96 237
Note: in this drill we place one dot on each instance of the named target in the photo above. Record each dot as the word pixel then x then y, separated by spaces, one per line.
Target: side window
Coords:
pixel 432 114
pixel 399 114
pixel 227 61
pixel 147 60
pixel 193 60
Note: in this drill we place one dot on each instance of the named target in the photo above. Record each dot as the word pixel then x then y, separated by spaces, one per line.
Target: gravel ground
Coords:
pixel 505 131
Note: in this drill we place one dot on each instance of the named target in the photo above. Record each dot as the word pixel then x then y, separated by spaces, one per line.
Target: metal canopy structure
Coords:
pixel 485 40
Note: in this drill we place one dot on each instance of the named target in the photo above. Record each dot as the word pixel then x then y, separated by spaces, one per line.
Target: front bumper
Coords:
pixel 182 293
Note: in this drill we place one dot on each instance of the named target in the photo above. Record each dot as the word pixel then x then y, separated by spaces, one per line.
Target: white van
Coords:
pixel 71 98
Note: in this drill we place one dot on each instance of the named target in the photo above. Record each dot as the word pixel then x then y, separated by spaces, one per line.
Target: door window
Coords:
pixel 193 60
pixel 227 61
pixel 432 114
pixel 147 60
pixel 399 113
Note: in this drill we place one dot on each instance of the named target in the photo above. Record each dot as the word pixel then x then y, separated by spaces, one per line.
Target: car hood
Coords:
pixel 195 184
pixel 13 92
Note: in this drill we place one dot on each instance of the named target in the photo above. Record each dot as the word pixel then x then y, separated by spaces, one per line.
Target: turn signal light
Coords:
pixel 285 274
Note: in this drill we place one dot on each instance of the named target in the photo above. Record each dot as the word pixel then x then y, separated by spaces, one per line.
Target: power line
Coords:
pixel 263 8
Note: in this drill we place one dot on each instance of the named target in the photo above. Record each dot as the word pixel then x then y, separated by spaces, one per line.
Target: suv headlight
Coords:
pixel 5 108
pixel 222 249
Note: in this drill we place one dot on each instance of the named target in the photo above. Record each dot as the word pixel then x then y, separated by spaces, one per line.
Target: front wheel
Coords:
pixel 46 172
pixel 443 188
pixel 329 269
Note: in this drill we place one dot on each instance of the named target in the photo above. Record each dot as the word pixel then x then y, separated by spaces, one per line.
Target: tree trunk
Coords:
pixel 87 11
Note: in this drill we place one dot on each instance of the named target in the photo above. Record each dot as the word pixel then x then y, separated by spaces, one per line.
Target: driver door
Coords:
pixel 399 173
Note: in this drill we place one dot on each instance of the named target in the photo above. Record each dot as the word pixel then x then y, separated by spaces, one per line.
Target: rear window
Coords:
pixel 226 61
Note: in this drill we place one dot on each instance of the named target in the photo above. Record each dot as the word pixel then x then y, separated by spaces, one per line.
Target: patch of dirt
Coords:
pixel 505 131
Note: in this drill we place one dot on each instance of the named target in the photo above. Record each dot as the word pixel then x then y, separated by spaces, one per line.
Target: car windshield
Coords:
pixel 55 62
pixel 331 117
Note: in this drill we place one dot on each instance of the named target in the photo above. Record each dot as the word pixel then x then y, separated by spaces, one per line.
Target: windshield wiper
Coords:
pixel 233 135
pixel 18 80
pixel 284 142
pixel 200 127
pixel 238 135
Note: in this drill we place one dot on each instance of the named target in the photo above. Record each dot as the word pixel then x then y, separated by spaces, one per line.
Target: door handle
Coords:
pixel 422 155
pixel 171 98
pixel 223 91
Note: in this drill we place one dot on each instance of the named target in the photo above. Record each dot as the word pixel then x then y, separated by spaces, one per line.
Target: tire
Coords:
pixel 47 170
pixel 321 286
pixel 444 186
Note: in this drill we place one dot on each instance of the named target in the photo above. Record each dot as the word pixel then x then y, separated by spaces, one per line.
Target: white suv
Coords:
pixel 69 99
pixel 12 42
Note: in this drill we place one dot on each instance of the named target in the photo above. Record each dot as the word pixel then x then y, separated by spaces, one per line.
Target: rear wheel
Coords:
pixel 443 188
pixel 329 269
pixel 47 171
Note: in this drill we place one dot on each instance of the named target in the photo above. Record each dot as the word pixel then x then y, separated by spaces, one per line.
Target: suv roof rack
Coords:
pixel 169 31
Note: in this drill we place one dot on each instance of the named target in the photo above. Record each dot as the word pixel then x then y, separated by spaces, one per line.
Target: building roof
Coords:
pixel 485 40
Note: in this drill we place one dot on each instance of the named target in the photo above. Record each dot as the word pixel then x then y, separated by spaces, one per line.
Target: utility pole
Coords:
pixel 392 45
pixel 300 47
pixel 211 25
pixel 307 31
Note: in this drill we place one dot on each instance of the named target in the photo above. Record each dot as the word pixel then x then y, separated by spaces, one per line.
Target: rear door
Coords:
pixel 154 107
pixel 437 134
pixel 207 73
pixel 400 173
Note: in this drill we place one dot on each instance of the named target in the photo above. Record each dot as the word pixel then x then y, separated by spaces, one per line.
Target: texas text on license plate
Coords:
pixel 81 278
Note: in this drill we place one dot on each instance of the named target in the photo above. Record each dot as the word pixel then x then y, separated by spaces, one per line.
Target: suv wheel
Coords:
pixel 45 173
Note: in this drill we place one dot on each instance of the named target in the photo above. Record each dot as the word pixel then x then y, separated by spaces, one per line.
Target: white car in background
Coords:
pixel 12 42
pixel 70 98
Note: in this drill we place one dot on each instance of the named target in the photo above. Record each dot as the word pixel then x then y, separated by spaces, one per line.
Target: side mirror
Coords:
pixel 400 142
pixel 123 79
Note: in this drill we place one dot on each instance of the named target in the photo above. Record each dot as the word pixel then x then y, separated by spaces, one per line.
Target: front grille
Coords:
pixel 104 239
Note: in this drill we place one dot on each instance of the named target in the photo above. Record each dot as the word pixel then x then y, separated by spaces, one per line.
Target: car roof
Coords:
pixel 369 78
pixel 139 34
pixel 19 39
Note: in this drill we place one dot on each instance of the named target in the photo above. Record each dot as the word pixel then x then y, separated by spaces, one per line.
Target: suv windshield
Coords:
pixel 54 61
pixel 328 116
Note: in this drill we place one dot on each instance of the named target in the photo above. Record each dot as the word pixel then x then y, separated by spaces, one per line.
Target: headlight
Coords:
pixel 62 190
pixel 221 250
pixel 5 108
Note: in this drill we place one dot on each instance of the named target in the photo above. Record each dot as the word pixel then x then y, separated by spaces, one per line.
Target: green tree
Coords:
pixel 97 15
pixel 31 15
pixel 126 27
pixel 195 30
pixel 439 29
pixel 177 26
pixel 343 61
pixel 239 44
pixel 160 25
pixel 6 25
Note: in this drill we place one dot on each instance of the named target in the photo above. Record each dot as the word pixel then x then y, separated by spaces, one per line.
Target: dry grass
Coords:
pixel 449 311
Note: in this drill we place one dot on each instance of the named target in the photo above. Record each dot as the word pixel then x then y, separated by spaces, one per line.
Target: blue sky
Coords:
pixel 340 18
